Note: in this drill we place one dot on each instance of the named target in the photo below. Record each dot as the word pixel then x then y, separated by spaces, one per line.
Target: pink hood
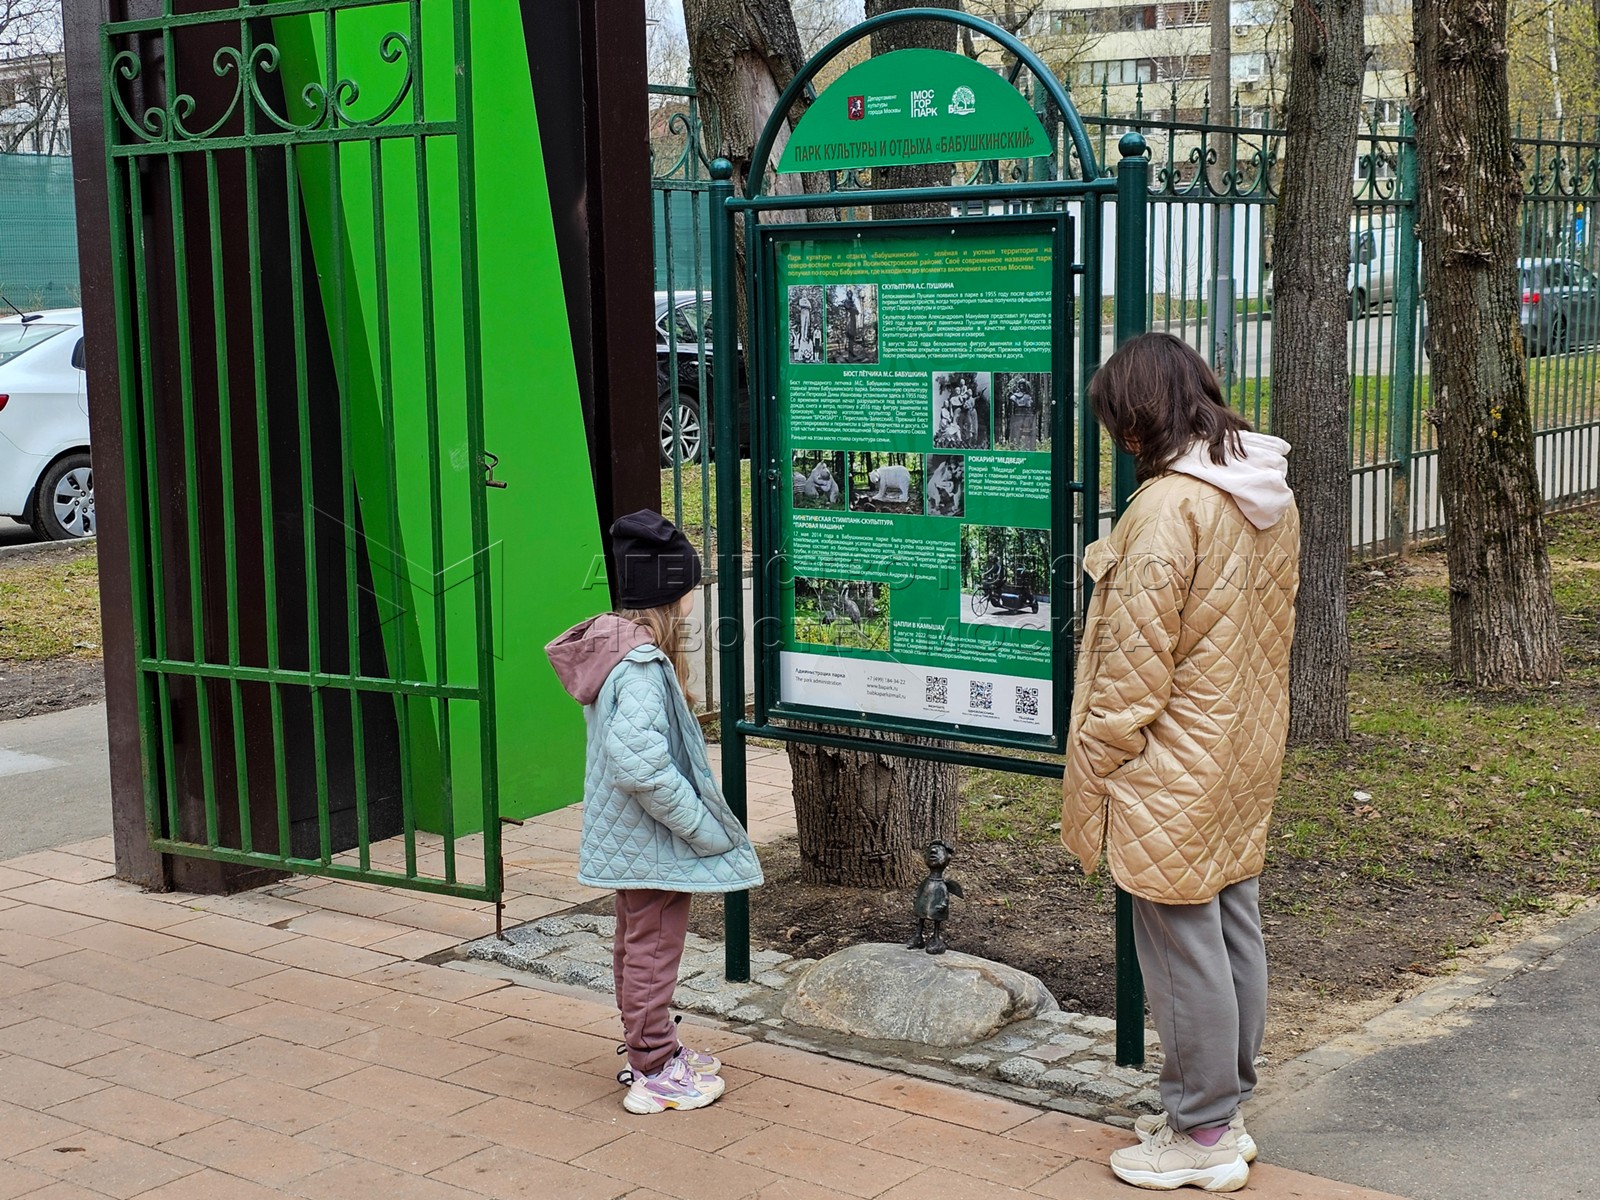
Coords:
pixel 585 654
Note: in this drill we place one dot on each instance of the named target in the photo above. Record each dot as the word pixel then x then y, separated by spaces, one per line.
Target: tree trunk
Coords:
pixel 1503 628
pixel 743 54
pixel 1311 384
pixel 913 35
pixel 864 819
pixel 1594 27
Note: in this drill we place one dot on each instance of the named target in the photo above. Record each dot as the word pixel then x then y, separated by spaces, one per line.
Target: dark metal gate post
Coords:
pixel 137 862
pixel 591 87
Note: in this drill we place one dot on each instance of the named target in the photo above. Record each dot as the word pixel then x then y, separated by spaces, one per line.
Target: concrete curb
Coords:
pixel 1420 1017
pixel 47 548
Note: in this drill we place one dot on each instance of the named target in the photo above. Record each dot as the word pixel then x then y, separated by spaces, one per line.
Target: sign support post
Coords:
pixel 729 627
pixel 1133 216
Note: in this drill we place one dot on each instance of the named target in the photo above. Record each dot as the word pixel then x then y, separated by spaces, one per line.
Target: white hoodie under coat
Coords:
pixel 1258 482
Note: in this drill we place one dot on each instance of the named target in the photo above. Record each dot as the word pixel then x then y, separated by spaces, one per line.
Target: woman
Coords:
pixel 1176 741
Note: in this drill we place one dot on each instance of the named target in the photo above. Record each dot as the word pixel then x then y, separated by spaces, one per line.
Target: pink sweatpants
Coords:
pixel 651 927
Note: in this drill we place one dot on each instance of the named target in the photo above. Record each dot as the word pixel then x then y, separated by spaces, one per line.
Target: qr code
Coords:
pixel 982 696
pixel 937 691
pixel 1028 701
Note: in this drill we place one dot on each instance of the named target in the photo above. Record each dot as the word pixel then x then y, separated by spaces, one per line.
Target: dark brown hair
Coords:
pixel 1157 396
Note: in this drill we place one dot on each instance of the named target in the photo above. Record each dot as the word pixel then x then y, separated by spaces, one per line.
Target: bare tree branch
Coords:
pixel 33 80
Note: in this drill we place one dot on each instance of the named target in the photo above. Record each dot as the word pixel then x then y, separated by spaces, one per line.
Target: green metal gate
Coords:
pixel 293 227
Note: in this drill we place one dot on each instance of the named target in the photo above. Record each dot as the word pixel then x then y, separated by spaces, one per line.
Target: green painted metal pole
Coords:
pixel 1402 402
pixel 729 628
pixel 1133 219
pixel 1133 225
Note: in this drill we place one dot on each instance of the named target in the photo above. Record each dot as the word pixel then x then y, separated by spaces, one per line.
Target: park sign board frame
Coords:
pixel 917 551
pixel 905 306
pixel 914 106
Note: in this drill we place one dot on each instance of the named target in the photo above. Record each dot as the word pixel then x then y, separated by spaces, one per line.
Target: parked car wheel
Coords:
pixel 1555 341
pixel 690 433
pixel 64 506
pixel 1358 303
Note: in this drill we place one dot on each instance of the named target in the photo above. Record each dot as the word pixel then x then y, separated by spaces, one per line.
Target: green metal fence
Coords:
pixel 1212 203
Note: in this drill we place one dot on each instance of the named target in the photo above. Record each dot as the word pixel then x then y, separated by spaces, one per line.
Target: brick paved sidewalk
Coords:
pixel 233 1048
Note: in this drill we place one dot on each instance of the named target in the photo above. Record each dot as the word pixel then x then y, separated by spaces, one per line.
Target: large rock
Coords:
pixel 895 994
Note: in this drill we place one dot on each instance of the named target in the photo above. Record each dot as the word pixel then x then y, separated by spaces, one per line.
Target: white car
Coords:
pixel 46 479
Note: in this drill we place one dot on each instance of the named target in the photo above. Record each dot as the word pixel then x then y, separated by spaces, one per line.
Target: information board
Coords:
pixel 919 411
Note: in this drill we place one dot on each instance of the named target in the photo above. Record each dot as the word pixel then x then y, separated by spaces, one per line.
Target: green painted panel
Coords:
pixel 914 106
pixel 543 527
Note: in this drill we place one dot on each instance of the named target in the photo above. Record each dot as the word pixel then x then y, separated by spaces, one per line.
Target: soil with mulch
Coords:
pixel 1031 908
pixel 28 689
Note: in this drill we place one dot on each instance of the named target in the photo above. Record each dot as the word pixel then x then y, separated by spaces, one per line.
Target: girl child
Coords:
pixel 1176 741
pixel 655 826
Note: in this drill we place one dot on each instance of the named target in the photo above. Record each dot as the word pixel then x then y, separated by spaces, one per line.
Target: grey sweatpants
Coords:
pixel 1205 975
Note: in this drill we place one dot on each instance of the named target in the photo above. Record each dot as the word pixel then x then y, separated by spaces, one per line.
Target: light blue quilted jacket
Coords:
pixel 653 815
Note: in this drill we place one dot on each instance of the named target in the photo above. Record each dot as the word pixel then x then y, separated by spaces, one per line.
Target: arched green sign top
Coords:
pixel 755 181
pixel 914 106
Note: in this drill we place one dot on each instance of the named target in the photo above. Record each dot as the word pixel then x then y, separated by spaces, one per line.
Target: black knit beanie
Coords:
pixel 656 566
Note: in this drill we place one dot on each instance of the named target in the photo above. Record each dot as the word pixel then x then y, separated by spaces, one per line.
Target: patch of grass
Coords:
pixel 1563 390
pixel 687 500
pixel 50 610
pixel 1435 782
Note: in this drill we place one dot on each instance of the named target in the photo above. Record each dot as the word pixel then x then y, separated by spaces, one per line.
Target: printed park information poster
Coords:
pixel 916 406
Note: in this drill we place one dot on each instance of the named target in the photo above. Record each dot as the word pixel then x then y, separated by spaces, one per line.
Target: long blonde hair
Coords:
pixel 669 632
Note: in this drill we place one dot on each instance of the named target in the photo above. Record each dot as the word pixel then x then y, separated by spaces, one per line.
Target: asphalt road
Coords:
pixel 13 534
pixel 1501 1106
pixel 55 782
pixel 1370 340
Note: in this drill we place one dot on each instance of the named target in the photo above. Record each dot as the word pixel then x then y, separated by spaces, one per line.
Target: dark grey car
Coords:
pixel 683 322
pixel 1560 304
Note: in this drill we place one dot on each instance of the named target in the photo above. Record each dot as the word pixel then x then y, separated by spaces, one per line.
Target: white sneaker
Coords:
pixel 1173 1160
pixel 1145 1126
pixel 674 1086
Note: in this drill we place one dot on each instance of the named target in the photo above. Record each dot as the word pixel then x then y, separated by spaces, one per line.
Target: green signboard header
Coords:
pixel 914 106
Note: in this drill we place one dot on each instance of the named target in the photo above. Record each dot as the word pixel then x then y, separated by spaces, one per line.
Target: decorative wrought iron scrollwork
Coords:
pixel 394 48
pixel 264 61
pixel 319 108
pixel 228 60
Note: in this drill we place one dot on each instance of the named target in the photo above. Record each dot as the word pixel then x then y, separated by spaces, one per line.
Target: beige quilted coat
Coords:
pixel 1181 706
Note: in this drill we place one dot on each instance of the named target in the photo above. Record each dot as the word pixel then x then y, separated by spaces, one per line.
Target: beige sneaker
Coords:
pixel 1173 1160
pixel 1146 1125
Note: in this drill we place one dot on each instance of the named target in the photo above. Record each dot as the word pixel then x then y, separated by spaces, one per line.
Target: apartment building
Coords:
pixel 33 105
pixel 1160 54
